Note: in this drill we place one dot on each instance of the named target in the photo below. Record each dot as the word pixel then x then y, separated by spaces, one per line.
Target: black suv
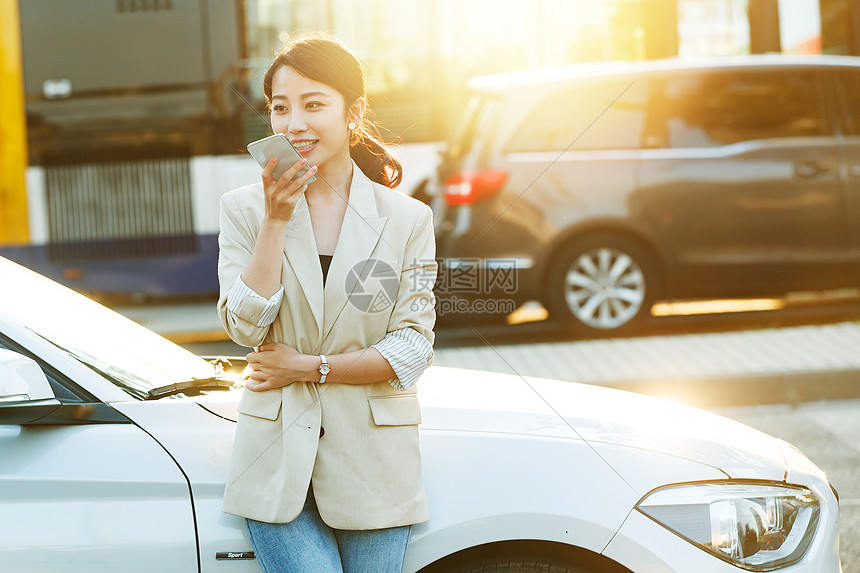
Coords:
pixel 603 188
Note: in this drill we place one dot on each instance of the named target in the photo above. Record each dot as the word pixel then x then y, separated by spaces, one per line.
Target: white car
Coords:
pixel 114 446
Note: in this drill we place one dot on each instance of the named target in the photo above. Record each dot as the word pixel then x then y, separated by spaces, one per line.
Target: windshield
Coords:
pixel 132 357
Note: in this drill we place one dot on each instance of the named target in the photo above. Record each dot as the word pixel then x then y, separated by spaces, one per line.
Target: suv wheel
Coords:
pixel 602 284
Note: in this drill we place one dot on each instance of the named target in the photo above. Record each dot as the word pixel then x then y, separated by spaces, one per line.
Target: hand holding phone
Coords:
pixel 279 147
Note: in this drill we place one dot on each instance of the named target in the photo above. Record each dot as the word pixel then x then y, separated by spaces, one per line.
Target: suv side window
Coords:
pixel 720 108
pixel 849 81
pixel 591 115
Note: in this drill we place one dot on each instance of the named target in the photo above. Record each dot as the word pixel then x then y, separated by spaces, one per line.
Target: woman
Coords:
pixel 325 465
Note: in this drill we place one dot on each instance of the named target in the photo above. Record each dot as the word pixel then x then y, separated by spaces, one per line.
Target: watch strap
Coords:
pixel 324 369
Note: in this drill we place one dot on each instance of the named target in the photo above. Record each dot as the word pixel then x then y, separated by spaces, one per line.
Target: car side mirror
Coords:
pixel 25 394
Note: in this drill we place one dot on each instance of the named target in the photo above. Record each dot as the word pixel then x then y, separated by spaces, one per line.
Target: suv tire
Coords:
pixel 602 284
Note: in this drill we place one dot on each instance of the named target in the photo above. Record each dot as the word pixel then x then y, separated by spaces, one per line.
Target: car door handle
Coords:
pixel 809 169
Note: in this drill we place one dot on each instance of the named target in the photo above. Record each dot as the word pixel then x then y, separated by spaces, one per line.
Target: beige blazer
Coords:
pixel 366 469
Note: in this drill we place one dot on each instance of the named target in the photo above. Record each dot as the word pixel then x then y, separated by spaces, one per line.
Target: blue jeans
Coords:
pixel 307 544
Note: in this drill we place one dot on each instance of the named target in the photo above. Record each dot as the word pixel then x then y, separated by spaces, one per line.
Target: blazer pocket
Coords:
pixel 265 405
pixel 403 410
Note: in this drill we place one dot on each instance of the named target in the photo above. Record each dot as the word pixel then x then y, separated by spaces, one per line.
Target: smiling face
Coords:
pixel 313 116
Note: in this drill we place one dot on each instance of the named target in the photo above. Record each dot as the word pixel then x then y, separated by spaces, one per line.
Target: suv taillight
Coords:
pixel 467 188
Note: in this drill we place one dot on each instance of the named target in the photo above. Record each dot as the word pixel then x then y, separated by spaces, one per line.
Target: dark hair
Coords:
pixel 326 60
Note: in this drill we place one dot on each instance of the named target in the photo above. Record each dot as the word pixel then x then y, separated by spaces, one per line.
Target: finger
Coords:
pixel 299 185
pixel 269 346
pixel 288 175
pixel 303 179
pixel 255 386
pixel 269 168
pixel 286 191
pixel 252 357
pixel 293 193
pixel 258 375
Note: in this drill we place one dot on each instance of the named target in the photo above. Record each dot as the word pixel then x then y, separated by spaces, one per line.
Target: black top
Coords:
pixel 325 263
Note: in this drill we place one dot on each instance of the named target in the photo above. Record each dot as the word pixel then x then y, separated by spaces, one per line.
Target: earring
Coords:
pixel 352 125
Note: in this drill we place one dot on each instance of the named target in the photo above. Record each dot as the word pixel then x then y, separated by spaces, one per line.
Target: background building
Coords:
pixel 418 52
pixel 137 112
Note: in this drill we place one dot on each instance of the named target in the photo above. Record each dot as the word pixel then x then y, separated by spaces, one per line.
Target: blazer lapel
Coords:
pixel 359 235
pixel 301 249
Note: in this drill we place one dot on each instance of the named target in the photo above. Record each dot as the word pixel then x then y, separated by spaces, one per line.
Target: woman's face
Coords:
pixel 312 115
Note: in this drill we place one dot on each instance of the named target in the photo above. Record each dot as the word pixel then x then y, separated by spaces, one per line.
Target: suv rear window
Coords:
pixel 474 115
pixel 720 108
pixel 592 114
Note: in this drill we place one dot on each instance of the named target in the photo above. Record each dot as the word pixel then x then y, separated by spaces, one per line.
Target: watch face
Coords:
pixel 324 369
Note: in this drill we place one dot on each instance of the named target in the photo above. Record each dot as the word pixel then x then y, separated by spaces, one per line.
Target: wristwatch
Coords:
pixel 324 369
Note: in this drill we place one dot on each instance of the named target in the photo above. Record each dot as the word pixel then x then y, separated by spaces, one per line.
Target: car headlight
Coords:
pixel 759 527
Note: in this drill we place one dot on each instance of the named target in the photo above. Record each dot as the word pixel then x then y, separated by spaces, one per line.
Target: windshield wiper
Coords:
pixel 195 385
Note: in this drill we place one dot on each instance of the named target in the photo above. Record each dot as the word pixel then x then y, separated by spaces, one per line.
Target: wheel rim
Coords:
pixel 604 288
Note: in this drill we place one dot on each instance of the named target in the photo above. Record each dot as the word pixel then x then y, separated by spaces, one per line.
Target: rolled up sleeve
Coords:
pixel 409 353
pixel 246 304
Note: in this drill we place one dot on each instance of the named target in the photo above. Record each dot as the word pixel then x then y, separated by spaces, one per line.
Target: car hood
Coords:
pixel 476 401
pixel 603 415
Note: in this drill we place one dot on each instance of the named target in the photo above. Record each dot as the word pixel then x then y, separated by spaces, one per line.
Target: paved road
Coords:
pixel 827 432
pixel 758 366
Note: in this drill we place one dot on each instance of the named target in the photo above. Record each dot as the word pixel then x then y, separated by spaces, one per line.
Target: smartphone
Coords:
pixel 277 146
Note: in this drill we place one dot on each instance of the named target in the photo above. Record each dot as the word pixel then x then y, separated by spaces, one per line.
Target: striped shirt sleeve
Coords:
pixel 241 291
pixel 408 352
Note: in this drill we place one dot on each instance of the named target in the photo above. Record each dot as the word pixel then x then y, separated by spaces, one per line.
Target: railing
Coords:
pixel 119 209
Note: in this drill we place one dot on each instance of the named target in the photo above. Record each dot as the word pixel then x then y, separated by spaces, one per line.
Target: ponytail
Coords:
pixel 373 157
